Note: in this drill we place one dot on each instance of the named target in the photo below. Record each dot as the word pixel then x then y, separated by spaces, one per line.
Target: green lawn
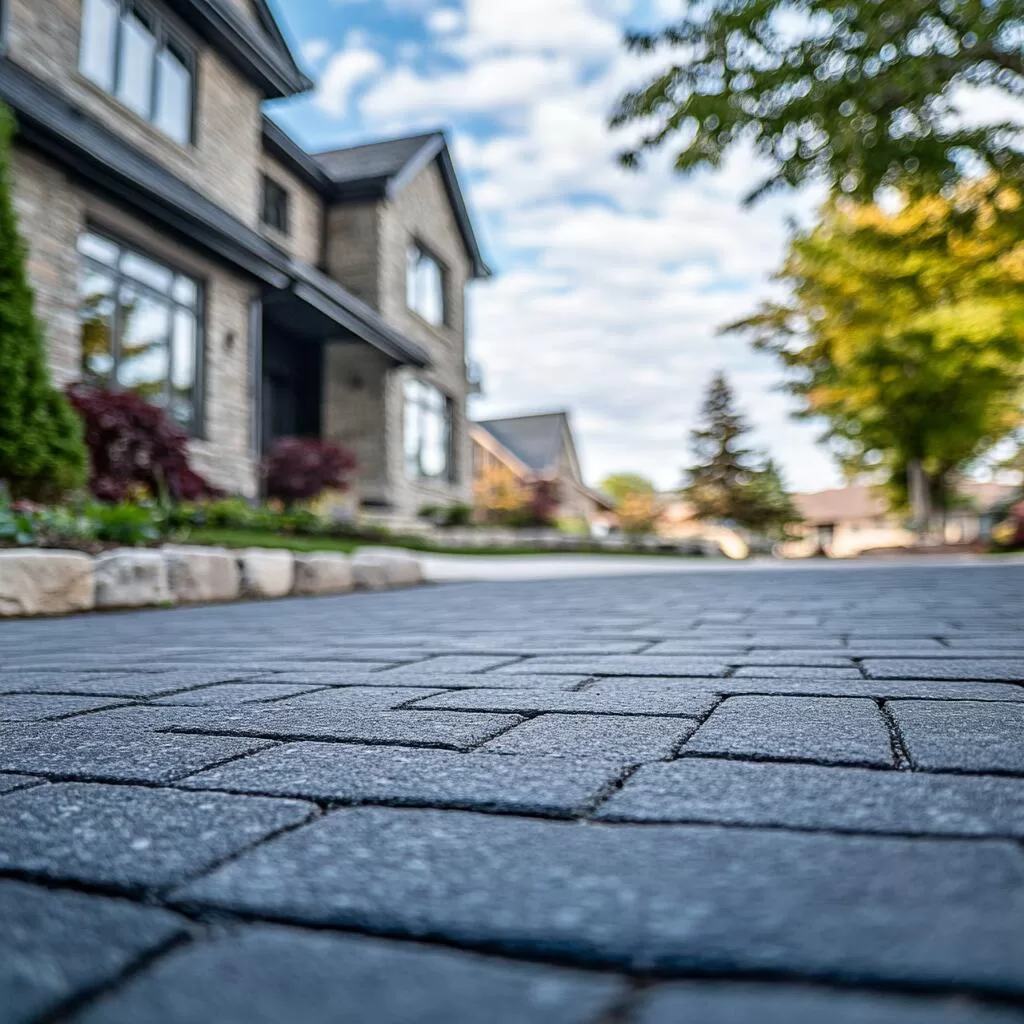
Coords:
pixel 227 538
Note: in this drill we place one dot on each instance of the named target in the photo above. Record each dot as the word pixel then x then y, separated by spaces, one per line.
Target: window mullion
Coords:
pixel 159 44
pixel 115 341
pixel 122 13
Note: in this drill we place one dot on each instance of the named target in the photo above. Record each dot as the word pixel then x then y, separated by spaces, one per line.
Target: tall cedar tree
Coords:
pixel 41 451
pixel 855 93
pixel 728 481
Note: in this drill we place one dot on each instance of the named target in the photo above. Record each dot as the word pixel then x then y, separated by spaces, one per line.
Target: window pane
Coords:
pixel 411 270
pixel 145 271
pixel 434 456
pixel 412 429
pixel 145 327
pixel 135 67
pixel 183 368
pixel 432 294
pixel 186 291
pixel 99 249
pixel 173 113
pixel 99 34
pixel 96 291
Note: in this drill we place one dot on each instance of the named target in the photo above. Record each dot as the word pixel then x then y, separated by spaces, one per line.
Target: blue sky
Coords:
pixel 610 284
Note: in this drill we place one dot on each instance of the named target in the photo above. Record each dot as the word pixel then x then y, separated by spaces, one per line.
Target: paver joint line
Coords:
pixel 592 802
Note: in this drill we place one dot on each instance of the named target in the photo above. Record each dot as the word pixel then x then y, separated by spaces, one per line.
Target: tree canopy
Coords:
pixel 905 331
pixel 857 93
pixel 728 481
pixel 619 486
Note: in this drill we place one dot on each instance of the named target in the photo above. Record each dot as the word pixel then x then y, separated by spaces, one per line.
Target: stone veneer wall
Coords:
pixel 306 209
pixel 52 213
pixel 43 37
pixel 367 245
pixel 422 212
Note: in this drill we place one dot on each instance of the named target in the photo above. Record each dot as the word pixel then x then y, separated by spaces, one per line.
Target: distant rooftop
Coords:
pixel 535 441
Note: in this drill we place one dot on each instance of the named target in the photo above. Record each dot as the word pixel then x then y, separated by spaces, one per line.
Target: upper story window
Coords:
pixel 275 205
pixel 139 323
pixel 425 286
pixel 131 52
pixel 428 433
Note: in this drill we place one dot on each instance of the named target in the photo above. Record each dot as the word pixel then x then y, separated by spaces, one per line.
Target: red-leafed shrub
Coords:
pixel 299 469
pixel 544 501
pixel 134 446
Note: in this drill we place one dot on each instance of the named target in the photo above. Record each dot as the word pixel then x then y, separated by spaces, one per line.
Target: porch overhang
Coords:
pixel 315 308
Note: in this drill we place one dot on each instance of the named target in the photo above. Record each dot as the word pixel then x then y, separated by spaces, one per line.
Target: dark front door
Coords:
pixel 292 388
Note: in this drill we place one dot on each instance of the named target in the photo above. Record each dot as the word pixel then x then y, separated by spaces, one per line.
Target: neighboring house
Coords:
pixel 523 450
pixel 182 245
pixel 846 521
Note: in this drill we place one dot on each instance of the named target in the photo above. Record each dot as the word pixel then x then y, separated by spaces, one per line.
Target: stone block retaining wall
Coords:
pixel 45 582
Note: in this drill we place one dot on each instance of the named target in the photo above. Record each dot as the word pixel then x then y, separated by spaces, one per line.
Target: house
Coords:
pixel 846 521
pixel 516 453
pixel 182 245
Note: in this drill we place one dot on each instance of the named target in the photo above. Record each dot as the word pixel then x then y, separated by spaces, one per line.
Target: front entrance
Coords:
pixel 292 388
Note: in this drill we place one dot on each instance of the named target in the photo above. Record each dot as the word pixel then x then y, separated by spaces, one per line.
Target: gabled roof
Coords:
pixel 381 170
pixel 256 47
pixel 536 441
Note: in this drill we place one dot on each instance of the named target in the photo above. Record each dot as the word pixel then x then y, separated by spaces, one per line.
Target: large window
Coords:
pixel 428 433
pixel 275 212
pixel 425 285
pixel 140 327
pixel 131 52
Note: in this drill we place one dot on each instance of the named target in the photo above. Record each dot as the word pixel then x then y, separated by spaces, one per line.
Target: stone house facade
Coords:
pixel 182 245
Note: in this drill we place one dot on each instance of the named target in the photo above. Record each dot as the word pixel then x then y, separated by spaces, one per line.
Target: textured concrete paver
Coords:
pixel 1010 670
pixel 591 801
pixel 813 797
pixel 83 749
pixel 968 736
pixel 625 738
pixel 831 730
pixel 53 944
pixel 438 778
pixel 339 980
pixel 131 837
pixel 682 701
pixel 598 893
pixel 715 1003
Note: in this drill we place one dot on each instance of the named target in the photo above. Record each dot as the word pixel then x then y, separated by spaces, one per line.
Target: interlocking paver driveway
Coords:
pixel 785 795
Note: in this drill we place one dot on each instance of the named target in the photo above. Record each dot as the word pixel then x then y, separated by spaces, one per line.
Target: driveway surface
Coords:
pixel 764 796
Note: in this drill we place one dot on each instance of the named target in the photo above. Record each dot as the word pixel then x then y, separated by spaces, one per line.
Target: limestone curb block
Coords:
pixel 45 582
pixel 131 578
pixel 266 572
pixel 198 574
pixel 381 570
pixel 323 574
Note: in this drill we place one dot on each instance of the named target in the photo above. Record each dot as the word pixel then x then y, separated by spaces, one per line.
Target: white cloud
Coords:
pixel 615 282
pixel 314 50
pixel 444 20
pixel 345 71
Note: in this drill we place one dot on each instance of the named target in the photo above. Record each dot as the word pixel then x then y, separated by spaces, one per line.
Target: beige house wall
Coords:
pixel 53 212
pixel 223 163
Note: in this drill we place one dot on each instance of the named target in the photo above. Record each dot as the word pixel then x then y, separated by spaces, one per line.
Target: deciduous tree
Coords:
pixel 905 332
pixel 858 93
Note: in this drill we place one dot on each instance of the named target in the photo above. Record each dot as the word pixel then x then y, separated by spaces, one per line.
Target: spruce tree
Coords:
pixel 727 480
pixel 42 455
pixel 722 468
